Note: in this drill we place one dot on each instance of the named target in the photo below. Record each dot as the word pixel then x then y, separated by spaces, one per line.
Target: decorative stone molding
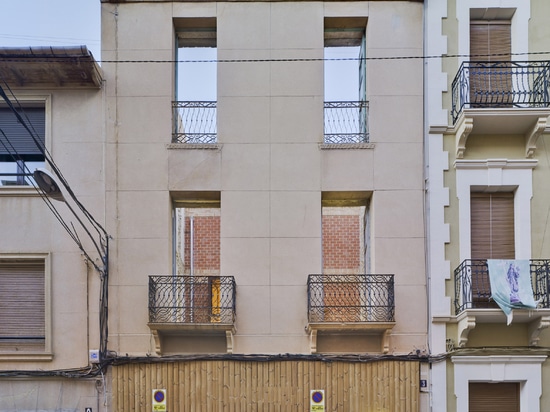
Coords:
pixel 536 327
pixel 463 130
pixel 532 137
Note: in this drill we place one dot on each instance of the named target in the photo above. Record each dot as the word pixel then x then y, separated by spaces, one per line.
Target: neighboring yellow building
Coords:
pixel 487 121
pixel 265 239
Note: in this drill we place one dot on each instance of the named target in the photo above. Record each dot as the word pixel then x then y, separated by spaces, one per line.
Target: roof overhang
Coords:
pixel 49 67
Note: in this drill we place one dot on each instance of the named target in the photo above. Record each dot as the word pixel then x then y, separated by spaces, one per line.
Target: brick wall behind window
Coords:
pixel 207 242
pixel 341 242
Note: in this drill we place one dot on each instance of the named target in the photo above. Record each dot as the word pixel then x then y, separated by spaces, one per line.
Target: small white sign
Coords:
pixel 159 400
pixel 317 400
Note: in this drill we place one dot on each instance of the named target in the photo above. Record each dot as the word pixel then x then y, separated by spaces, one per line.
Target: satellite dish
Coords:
pixel 47 182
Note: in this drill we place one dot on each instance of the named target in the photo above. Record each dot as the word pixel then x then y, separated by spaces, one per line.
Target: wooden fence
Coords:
pixel 233 385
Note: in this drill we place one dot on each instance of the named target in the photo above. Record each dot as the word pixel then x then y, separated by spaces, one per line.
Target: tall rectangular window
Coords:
pixel 492 237
pixel 196 81
pixel 346 106
pixel 196 231
pixel 345 223
pixel 21 145
pixel 491 73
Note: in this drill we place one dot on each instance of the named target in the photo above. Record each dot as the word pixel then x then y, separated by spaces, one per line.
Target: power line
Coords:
pixel 39 59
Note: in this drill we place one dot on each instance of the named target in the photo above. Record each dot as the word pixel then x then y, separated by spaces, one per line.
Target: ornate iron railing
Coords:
pixel 346 122
pixel 350 298
pixel 194 122
pixel 473 288
pixel 192 299
pixel 500 84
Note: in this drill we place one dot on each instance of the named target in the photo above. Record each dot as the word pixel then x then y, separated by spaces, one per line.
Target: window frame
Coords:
pixel 38 100
pixel 497 368
pixel 27 355
pixel 498 174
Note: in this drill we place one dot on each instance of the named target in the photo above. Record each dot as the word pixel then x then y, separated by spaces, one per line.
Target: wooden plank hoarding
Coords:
pixel 282 385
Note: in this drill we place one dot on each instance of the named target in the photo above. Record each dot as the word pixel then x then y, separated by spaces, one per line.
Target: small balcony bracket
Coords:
pixel 156 338
pixel 536 327
pixel 229 340
pixel 463 130
pixel 465 325
pixel 313 340
pixel 533 135
pixel 386 341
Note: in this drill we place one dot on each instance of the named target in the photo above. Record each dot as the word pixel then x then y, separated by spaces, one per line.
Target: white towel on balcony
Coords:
pixel 511 285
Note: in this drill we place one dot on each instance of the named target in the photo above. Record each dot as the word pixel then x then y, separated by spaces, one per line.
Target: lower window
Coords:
pixel 22 305
pixel 493 397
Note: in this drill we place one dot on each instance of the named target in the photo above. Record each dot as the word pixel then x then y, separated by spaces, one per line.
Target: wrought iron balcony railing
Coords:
pixel 473 288
pixel 350 298
pixel 501 84
pixel 192 299
pixel 346 122
pixel 194 122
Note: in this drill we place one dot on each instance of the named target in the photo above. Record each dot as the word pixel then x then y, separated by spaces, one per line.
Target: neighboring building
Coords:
pixel 48 295
pixel 487 108
pixel 263 243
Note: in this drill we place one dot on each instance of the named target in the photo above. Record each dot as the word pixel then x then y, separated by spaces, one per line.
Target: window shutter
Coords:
pixel 493 397
pixel 22 303
pixel 490 81
pixel 490 40
pixel 492 226
pixel 14 134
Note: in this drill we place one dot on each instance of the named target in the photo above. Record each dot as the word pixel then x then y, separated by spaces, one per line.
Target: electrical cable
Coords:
pixel 303 59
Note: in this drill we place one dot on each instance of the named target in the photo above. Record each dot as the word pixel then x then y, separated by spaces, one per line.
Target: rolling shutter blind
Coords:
pixel 17 136
pixel 492 226
pixel 22 301
pixel 491 81
pixel 490 40
pixel 493 397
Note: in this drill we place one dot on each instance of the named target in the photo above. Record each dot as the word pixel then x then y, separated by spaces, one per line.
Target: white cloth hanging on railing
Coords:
pixel 511 285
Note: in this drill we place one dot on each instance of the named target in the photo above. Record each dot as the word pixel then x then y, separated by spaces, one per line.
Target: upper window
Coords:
pixel 23 303
pixel 21 145
pixel 345 81
pixel 196 85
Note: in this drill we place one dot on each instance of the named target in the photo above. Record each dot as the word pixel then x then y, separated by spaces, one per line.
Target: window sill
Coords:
pixel 194 146
pixel 345 146
pixel 22 191
pixel 26 356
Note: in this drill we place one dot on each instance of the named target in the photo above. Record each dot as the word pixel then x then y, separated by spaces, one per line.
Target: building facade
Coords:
pixel 51 116
pixel 259 242
pixel 262 230
pixel 487 110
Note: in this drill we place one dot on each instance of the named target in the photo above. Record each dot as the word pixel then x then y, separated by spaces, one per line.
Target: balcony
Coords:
pixel 501 98
pixel 473 303
pixel 346 122
pixel 350 304
pixel 192 305
pixel 194 122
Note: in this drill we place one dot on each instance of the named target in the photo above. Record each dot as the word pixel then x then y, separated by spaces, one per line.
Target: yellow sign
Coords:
pixel 159 400
pixel 317 400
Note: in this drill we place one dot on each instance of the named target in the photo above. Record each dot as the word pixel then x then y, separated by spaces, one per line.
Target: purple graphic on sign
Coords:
pixel 159 396
pixel 317 397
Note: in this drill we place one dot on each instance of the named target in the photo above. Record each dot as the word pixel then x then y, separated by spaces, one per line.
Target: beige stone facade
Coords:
pixel 264 180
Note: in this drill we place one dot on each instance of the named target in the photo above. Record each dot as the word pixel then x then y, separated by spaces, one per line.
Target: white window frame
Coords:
pixel 497 174
pixel 527 370
pixel 47 354
pixel 520 24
